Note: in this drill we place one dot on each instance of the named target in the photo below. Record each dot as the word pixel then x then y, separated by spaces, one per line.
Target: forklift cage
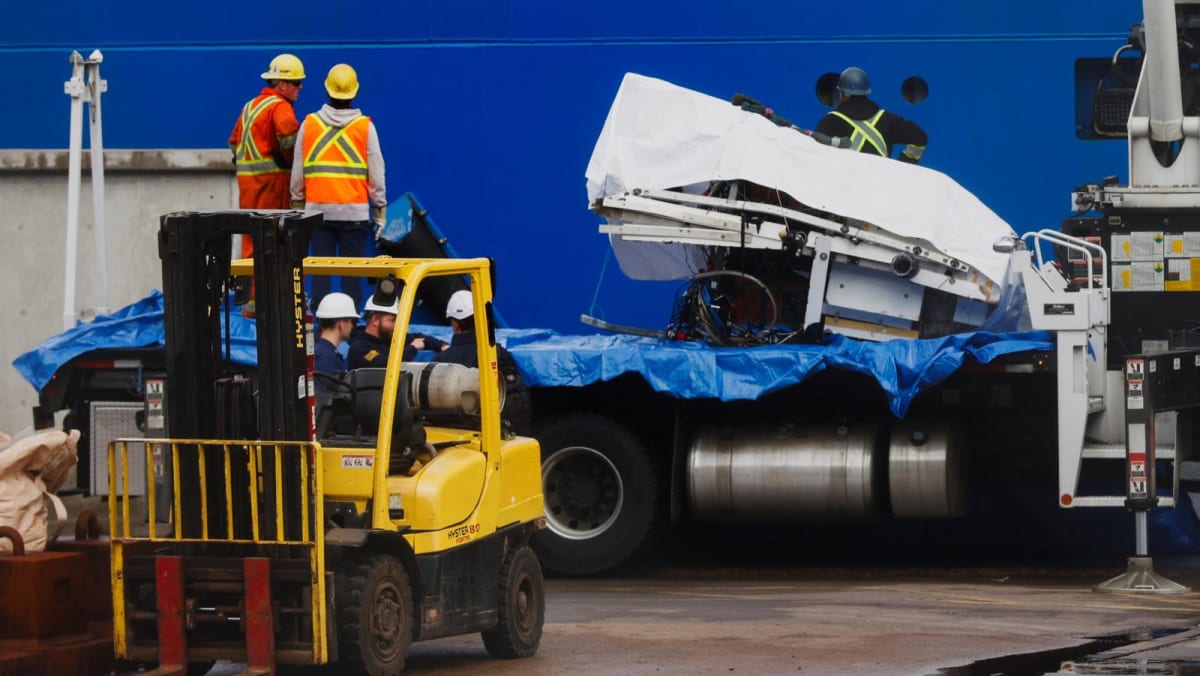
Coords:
pixel 265 497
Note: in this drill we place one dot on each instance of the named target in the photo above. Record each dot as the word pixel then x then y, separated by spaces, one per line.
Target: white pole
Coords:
pixel 1162 65
pixel 96 87
pixel 75 89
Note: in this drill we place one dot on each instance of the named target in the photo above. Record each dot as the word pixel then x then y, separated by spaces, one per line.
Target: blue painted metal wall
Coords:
pixel 487 109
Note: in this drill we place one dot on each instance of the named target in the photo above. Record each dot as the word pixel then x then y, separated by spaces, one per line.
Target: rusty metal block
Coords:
pixel 79 655
pixel 96 571
pixel 84 656
pixel 42 595
pixel 16 660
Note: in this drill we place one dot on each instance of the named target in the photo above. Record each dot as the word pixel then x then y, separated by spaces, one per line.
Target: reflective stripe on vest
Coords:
pixel 335 161
pixel 251 160
pixel 865 132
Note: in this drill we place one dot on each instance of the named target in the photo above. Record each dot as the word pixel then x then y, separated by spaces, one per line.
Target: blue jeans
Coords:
pixel 341 238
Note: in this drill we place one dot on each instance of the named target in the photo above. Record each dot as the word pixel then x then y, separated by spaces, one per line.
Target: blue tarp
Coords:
pixel 903 368
pixel 136 325
pixel 695 371
pixel 547 359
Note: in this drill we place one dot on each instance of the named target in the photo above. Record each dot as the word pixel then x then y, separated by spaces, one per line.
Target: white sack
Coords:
pixel 33 466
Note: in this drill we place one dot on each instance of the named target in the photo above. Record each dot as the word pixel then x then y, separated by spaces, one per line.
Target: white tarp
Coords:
pixel 659 135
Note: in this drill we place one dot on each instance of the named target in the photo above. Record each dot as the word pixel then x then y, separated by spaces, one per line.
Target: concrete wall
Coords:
pixel 140 186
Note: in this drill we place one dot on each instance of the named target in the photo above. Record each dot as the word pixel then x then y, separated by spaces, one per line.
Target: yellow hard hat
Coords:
pixel 342 82
pixel 285 67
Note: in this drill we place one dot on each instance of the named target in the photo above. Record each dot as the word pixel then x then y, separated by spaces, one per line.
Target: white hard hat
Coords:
pixel 460 306
pixel 336 306
pixel 372 306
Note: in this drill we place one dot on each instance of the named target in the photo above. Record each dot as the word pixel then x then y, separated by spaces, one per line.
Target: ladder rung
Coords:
pixel 1113 501
pixel 1117 452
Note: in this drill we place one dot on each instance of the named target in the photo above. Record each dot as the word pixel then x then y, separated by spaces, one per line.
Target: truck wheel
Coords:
pixel 600 492
pixel 375 616
pixel 520 609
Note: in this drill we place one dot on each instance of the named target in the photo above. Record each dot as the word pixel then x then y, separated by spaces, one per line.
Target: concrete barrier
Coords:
pixel 140 186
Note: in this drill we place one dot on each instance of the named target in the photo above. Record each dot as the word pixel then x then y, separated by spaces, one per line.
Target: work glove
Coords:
pixel 379 218
pixel 298 204
pixel 835 141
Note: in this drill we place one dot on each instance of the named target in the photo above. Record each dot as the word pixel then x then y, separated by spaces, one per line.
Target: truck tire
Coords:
pixel 520 607
pixel 375 617
pixel 600 490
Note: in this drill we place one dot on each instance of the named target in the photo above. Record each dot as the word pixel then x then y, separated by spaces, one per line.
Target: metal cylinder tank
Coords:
pixel 442 386
pixel 783 473
pixel 926 471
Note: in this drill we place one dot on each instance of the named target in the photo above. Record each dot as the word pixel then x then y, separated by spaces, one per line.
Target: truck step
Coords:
pixel 1114 501
pixel 1117 452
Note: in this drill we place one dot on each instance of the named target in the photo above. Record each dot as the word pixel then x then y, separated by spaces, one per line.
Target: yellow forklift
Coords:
pixel 290 529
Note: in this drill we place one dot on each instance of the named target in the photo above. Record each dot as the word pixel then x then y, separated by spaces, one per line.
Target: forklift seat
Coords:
pixel 368 385
pixel 407 431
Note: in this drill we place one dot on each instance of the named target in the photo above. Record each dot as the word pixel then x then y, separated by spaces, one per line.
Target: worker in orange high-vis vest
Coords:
pixel 339 171
pixel 264 138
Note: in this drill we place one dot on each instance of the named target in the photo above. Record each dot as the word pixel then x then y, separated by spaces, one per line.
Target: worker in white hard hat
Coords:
pixel 460 310
pixel 369 344
pixel 336 318
pixel 340 172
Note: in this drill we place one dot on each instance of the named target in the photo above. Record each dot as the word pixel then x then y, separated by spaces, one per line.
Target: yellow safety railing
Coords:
pixel 276 476
pixel 272 491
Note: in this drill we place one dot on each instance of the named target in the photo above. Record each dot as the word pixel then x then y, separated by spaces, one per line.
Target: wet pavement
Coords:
pixel 829 621
pixel 928 622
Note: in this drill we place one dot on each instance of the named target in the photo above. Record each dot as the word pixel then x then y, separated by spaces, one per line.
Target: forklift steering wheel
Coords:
pixel 335 383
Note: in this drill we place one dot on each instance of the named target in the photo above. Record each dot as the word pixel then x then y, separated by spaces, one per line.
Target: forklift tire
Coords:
pixel 520 609
pixel 600 492
pixel 375 616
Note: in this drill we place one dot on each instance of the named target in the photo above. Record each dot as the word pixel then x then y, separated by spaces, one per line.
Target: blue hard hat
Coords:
pixel 854 82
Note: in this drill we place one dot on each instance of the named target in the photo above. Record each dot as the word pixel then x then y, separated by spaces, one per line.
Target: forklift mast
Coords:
pixel 204 400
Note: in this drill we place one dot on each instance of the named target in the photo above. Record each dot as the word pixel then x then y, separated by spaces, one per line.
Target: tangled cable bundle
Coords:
pixel 701 312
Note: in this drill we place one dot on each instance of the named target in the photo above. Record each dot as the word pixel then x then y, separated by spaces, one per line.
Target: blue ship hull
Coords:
pixel 488 109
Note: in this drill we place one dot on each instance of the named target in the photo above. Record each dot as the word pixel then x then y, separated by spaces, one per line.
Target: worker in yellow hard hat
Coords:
pixel 264 136
pixel 340 172
pixel 263 139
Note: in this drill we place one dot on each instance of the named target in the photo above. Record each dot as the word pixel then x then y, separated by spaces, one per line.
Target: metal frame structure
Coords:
pixel 669 216
pixel 861 258
pixel 85 86
pixel 1154 383
pixel 269 530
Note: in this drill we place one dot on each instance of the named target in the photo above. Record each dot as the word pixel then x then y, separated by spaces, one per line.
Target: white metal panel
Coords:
pixel 873 292
pixel 113 420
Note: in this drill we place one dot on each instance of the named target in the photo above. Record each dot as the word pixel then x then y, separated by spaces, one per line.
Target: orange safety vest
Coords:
pixel 335 161
pixel 255 136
